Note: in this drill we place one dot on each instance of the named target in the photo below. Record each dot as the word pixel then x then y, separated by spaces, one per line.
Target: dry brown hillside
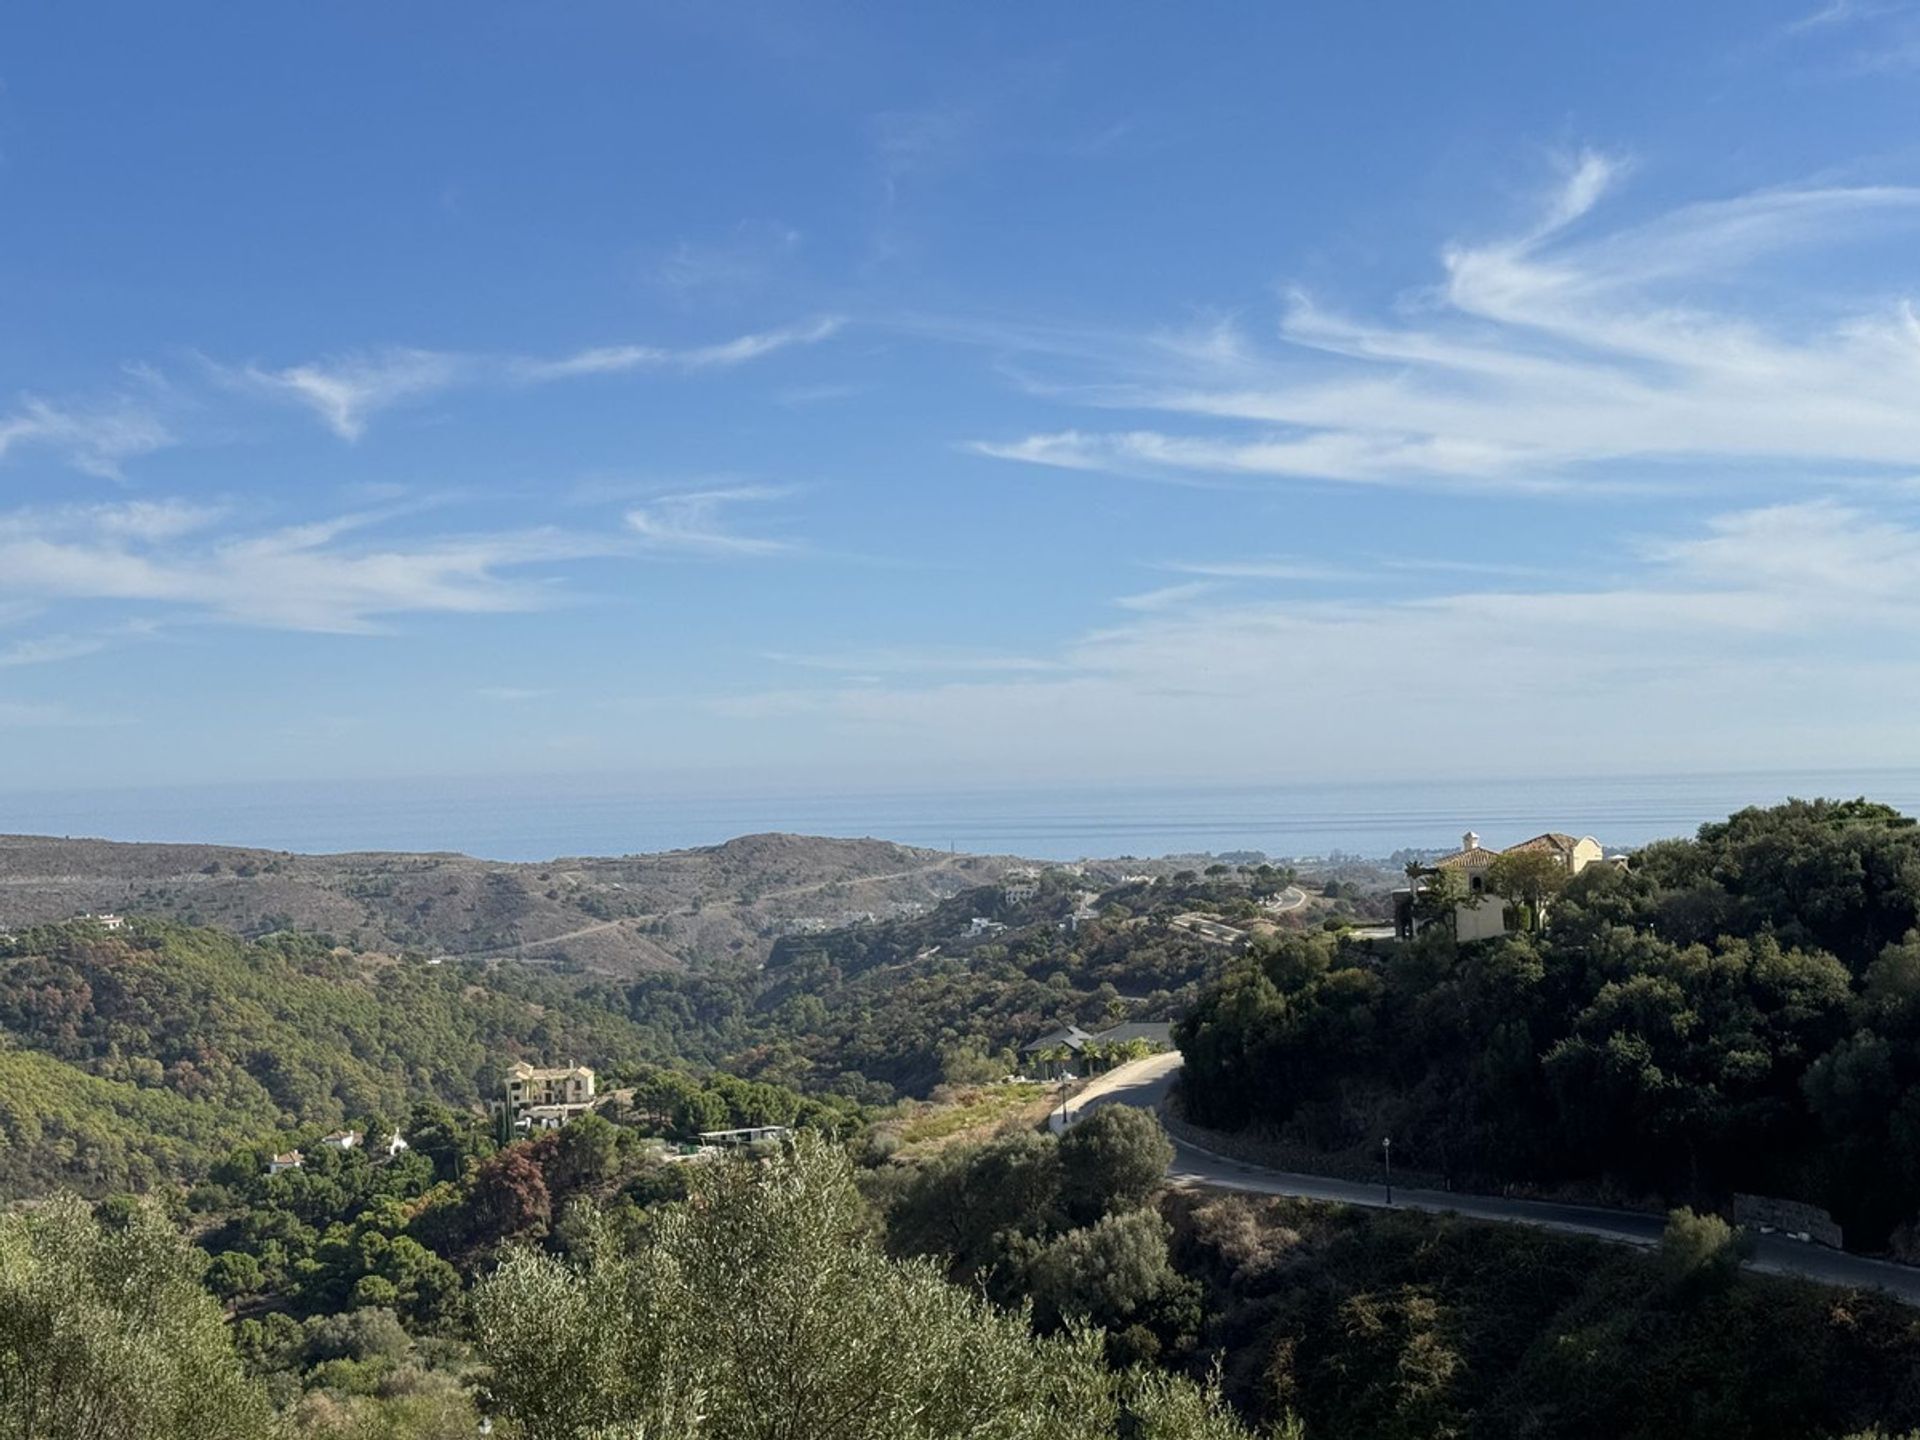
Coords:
pixel 618 915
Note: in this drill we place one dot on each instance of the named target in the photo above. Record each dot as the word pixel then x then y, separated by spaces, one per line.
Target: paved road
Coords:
pixel 1144 1083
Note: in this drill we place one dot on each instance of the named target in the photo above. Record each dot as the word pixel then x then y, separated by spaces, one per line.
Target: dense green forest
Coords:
pixel 1397 1325
pixel 140 1059
pixel 1738 1012
pixel 1402 1326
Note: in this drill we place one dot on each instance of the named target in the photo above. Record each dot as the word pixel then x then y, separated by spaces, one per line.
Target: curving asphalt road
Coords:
pixel 1144 1083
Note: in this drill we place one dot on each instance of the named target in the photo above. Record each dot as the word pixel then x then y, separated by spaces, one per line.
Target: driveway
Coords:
pixel 1144 1083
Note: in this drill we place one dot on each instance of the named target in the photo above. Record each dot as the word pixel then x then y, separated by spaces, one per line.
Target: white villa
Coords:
pixel 1481 914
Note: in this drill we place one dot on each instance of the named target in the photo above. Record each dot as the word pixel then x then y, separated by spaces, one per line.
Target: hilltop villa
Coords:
pixel 1481 913
pixel 545 1099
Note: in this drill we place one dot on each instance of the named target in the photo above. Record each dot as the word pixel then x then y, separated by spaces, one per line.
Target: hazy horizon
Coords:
pixel 535 819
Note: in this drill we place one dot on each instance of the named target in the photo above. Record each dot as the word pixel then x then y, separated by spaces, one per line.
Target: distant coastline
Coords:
pixel 531 819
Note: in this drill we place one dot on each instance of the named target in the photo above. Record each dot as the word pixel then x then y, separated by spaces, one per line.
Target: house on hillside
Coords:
pixel 1481 913
pixel 341 1139
pixel 1070 1038
pixel 1158 1034
pixel 290 1160
pixel 537 1098
pixel 1210 929
pixel 1021 886
pixel 748 1135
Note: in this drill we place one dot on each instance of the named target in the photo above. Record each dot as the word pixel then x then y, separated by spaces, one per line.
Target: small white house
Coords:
pixel 291 1160
pixel 341 1139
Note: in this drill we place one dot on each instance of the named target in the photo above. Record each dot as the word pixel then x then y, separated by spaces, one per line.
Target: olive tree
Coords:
pixel 106 1334
pixel 760 1308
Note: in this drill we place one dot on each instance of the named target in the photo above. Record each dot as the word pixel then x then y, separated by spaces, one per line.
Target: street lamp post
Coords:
pixel 1386 1151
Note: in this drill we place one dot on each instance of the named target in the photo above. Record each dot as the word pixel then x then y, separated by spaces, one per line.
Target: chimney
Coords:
pixel 1469 841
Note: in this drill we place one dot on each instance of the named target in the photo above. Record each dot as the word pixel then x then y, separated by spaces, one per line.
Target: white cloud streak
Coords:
pixel 325 576
pixel 96 440
pixel 1552 358
pixel 347 391
pixel 692 523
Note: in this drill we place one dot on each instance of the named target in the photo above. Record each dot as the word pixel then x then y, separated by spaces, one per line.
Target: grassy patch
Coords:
pixel 973 1112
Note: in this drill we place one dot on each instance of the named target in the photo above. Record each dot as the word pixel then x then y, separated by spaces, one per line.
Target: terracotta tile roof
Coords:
pixel 1477 858
pixel 1552 840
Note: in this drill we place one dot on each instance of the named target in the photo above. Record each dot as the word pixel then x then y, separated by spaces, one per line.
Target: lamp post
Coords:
pixel 1386 1152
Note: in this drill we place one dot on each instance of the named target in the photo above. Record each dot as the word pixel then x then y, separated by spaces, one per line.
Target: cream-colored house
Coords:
pixel 546 1098
pixel 1481 913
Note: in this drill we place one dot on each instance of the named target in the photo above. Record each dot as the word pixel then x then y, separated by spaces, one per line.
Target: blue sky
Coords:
pixel 957 394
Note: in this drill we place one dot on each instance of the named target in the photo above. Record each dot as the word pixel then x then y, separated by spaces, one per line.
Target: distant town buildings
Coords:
pixel 537 1098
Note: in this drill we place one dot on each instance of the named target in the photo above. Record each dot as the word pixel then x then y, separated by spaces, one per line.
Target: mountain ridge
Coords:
pixel 623 915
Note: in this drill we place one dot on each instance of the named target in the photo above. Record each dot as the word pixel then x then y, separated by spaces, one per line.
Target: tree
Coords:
pixel 234 1273
pixel 1701 1250
pixel 1105 1274
pixel 105 1334
pixel 509 1198
pixel 1436 894
pixel 1530 879
pixel 964 1204
pixel 760 1309
pixel 1112 1161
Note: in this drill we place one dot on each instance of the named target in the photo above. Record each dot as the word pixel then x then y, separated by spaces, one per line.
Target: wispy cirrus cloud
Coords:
pixel 918 660
pixel 347 391
pixel 1561 355
pixel 1166 597
pixel 1272 568
pixel 335 575
pixel 96 439
pixel 49 649
pixel 693 522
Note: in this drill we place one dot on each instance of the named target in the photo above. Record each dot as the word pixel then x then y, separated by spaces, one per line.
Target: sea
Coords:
pixel 533 819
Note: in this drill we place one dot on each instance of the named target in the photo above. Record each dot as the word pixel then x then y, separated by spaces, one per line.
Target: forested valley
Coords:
pixel 919 1256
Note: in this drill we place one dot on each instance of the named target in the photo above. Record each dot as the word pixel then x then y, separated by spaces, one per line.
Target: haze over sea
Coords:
pixel 542 818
